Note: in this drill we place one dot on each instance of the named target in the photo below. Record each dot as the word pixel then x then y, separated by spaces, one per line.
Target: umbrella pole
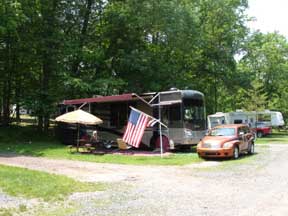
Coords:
pixel 77 137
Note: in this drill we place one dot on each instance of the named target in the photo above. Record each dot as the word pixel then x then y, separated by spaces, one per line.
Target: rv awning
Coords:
pixel 101 99
pixel 165 103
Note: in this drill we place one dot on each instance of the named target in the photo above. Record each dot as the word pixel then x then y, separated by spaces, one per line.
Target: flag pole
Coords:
pixel 160 128
pixel 149 116
pixel 78 137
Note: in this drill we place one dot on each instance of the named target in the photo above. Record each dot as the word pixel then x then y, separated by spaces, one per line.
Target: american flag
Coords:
pixel 137 123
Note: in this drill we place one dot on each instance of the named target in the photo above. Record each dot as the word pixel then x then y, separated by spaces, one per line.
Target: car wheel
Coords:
pixel 236 152
pixel 259 134
pixel 251 149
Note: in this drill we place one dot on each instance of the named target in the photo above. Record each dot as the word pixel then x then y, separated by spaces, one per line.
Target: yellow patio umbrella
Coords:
pixel 79 117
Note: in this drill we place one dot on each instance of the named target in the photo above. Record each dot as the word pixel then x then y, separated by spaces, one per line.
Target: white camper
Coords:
pixel 270 118
pixel 238 117
pixel 277 119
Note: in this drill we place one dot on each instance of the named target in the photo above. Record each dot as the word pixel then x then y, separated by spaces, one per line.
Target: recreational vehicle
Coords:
pixel 182 111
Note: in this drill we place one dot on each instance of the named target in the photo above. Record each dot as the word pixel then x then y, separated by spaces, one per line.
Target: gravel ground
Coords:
pixel 253 187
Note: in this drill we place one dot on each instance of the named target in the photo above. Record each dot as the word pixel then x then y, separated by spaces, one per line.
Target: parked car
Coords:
pixel 262 129
pixel 226 141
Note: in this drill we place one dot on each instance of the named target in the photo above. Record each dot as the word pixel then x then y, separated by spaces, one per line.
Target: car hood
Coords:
pixel 218 139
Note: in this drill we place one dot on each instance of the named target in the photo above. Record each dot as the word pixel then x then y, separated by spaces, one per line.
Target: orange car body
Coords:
pixel 224 140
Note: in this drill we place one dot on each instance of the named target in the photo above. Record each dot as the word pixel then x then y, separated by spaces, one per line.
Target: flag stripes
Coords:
pixel 137 123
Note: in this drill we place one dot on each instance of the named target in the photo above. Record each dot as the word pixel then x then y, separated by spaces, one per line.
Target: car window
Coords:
pixel 222 132
pixel 246 130
pixel 241 130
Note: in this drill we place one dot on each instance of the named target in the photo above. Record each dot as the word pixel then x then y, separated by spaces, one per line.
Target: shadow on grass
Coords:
pixel 27 141
pixel 241 157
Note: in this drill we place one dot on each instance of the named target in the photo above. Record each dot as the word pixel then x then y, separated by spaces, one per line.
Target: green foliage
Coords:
pixel 256 97
pixel 55 50
pixel 265 63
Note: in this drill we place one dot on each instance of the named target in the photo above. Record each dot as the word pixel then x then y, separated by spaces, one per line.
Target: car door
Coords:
pixel 242 139
pixel 247 137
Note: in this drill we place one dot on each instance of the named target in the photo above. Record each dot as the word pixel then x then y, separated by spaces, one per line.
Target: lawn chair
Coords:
pixel 122 145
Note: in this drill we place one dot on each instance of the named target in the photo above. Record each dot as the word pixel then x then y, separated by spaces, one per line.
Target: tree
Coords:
pixel 265 61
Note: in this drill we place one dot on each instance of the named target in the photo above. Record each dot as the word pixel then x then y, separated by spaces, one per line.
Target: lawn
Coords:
pixel 27 141
pixel 275 138
pixel 34 184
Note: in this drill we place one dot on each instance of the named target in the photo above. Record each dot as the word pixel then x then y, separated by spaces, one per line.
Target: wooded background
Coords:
pixel 52 50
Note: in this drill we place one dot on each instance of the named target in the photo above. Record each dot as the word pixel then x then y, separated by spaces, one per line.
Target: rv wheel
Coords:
pixel 165 143
pixel 259 134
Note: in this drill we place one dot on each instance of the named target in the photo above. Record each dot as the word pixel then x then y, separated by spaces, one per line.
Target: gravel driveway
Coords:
pixel 257 186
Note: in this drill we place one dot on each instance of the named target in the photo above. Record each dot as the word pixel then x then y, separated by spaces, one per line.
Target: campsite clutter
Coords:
pixel 158 121
pixel 137 123
pixel 79 117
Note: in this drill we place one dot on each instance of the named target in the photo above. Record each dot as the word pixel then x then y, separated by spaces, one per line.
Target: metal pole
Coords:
pixel 160 128
pixel 77 137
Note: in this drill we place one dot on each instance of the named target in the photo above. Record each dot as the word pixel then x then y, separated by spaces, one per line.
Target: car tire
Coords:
pixel 251 149
pixel 235 152
pixel 165 143
pixel 259 134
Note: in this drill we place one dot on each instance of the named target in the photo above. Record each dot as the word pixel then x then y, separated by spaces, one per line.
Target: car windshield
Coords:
pixel 222 132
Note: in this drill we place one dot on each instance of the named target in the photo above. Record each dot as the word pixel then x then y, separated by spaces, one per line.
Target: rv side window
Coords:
pixel 237 121
pixel 175 113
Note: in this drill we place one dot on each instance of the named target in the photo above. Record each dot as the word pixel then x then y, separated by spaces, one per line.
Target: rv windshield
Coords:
pixel 194 114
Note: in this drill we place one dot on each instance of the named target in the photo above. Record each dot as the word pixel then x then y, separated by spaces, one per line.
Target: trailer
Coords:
pixel 261 122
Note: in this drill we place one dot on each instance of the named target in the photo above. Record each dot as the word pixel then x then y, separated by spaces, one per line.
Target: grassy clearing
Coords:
pixel 27 141
pixel 34 184
pixel 275 138
pixel 55 150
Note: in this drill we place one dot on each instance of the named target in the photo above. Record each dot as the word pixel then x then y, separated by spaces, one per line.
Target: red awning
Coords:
pixel 101 99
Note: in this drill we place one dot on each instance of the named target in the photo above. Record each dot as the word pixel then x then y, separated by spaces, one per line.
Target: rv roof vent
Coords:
pixel 173 89
pixel 239 110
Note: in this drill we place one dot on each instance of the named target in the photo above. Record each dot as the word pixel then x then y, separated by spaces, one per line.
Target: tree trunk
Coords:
pixel 78 58
pixel 7 84
pixel 40 123
pixel 48 61
pixel 215 93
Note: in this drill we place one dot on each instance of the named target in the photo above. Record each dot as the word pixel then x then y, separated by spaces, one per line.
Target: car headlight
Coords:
pixel 228 145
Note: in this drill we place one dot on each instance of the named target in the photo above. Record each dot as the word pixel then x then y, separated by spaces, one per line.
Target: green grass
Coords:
pixel 55 150
pixel 27 141
pixel 275 138
pixel 34 184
